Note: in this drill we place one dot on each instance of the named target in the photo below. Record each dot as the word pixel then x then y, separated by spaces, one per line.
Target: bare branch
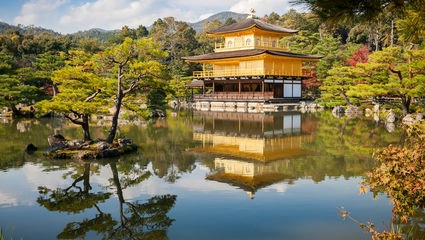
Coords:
pixel 73 120
pixel 89 98
pixel 400 77
pixel 133 85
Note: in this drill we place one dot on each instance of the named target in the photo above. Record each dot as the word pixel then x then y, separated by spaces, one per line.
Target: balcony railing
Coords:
pixel 251 72
pixel 234 96
pixel 222 47
pixel 229 73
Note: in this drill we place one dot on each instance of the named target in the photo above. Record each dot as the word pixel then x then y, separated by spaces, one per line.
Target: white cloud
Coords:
pixel 261 7
pixel 112 14
pixel 68 16
pixel 38 11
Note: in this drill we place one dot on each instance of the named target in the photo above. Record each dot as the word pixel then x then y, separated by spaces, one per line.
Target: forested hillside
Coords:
pixel 363 58
pixel 25 29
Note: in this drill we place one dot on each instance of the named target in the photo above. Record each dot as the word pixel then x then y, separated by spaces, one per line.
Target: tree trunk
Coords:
pixel 85 126
pixel 115 116
pixel 405 104
pixel 347 101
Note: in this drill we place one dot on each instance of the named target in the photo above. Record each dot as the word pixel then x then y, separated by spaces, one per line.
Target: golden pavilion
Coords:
pixel 250 69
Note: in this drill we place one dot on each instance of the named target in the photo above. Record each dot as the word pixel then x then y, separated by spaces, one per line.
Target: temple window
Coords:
pixel 248 42
pixel 229 44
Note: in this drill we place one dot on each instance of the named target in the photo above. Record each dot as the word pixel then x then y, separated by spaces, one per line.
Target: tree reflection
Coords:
pixel 137 220
pixel 141 220
pixel 75 199
pixel 164 146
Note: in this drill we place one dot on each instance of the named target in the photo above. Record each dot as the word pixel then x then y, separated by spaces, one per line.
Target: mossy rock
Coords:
pixel 95 150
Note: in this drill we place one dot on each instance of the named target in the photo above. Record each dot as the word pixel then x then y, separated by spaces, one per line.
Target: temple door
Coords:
pixel 277 91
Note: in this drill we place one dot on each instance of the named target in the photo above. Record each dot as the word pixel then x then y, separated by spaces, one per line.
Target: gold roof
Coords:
pixel 252 23
pixel 247 53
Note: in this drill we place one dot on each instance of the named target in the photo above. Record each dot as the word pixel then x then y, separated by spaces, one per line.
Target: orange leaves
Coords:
pixel 363 190
pixel 401 174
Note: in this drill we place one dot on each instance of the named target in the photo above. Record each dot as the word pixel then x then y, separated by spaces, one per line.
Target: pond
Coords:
pixel 197 175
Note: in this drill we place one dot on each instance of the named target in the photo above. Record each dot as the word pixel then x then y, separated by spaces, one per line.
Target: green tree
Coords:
pixel 178 39
pixel 81 92
pixel 394 72
pixel 14 92
pixel 136 67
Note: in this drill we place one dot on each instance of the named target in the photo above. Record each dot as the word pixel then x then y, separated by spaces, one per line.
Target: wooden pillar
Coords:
pixel 262 87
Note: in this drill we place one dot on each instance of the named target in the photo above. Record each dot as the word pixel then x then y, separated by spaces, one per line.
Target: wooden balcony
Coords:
pixel 234 96
pixel 223 47
pixel 250 72
pixel 259 97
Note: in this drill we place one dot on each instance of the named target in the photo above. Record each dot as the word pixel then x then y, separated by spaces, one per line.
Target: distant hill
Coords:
pixel 222 17
pixel 105 34
pixel 26 29
pixel 98 33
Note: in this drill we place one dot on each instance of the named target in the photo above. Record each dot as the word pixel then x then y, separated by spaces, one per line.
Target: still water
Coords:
pixel 197 176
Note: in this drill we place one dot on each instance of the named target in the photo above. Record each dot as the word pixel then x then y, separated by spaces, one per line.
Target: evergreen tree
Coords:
pixel 136 67
pixel 81 92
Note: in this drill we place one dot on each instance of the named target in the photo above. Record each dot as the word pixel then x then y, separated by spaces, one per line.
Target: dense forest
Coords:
pixel 373 51
pixel 367 55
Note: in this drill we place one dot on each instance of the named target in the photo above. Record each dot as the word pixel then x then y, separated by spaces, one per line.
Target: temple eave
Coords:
pixel 250 78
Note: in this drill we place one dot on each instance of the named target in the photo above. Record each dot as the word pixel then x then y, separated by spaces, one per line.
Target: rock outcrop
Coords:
pixel 60 148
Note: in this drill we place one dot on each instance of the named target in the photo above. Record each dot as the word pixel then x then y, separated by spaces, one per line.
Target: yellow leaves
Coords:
pixel 404 218
pixel 343 213
pixel 363 190
pixel 401 174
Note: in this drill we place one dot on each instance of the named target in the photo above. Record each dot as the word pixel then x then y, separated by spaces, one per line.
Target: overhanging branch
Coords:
pixel 398 72
pixel 73 120
pixel 89 98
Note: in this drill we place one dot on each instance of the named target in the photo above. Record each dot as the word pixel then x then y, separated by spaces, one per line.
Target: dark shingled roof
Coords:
pixel 249 23
pixel 247 53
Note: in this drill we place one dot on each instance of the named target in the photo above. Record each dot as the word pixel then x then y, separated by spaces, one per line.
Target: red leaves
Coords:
pixel 402 173
pixel 359 56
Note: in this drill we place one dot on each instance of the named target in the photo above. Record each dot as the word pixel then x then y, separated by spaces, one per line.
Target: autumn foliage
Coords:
pixel 401 173
pixel 359 56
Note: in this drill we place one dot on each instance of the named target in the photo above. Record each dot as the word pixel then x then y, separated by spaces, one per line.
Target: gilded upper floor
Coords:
pixel 251 48
pixel 251 34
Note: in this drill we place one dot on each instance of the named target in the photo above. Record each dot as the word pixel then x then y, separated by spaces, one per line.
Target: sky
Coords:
pixel 70 16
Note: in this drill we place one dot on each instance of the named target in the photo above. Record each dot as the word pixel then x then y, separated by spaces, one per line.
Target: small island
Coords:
pixel 61 148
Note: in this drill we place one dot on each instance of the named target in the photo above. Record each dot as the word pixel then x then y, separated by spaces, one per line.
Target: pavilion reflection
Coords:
pixel 252 151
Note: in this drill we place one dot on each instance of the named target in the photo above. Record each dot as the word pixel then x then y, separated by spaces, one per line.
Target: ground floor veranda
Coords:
pixel 250 90
pixel 248 95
